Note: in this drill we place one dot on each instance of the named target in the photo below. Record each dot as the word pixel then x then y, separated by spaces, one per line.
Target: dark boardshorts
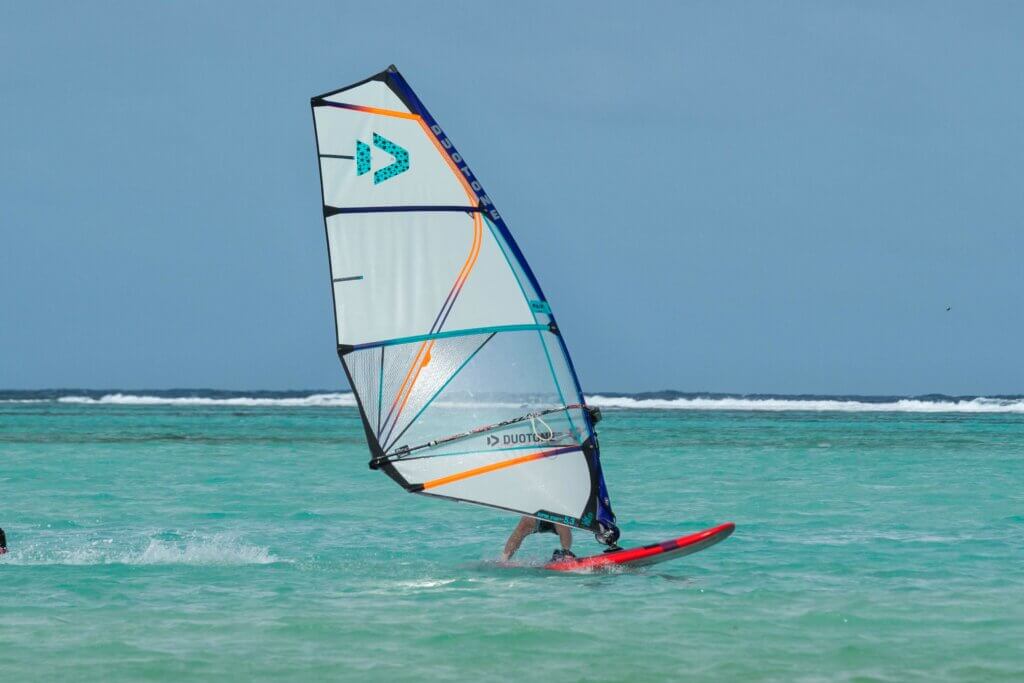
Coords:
pixel 545 527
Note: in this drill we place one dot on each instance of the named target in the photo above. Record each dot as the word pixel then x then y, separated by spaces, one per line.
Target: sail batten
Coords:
pixel 335 210
pixel 462 378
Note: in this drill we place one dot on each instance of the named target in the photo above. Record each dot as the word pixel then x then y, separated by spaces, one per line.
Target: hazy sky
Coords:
pixel 748 197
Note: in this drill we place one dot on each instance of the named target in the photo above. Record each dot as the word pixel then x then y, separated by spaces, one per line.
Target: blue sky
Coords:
pixel 748 197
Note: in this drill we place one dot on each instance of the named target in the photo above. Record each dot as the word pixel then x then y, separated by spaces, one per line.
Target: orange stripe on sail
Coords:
pixel 477 471
pixel 470 194
pixel 430 136
pixel 412 366
pixel 467 267
pixel 378 110
pixel 474 250
pixel 426 361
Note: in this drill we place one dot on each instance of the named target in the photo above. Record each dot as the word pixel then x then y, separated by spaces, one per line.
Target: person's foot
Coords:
pixel 560 555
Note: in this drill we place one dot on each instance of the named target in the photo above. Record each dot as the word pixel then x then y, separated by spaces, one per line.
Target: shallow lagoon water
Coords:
pixel 161 542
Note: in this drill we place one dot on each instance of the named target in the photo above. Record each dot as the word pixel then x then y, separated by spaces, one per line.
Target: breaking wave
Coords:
pixel 899 405
pixel 659 401
pixel 312 400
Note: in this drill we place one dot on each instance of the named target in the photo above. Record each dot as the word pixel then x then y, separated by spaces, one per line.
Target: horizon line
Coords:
pixel 607 393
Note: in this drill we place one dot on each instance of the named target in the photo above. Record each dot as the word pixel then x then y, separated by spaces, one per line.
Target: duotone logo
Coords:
pixel 397 152
pixel 523 438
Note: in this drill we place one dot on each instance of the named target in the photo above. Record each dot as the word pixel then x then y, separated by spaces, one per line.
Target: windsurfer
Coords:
pixel 529 525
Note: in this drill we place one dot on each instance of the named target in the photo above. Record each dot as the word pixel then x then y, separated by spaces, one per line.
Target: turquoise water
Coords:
pixel 188 542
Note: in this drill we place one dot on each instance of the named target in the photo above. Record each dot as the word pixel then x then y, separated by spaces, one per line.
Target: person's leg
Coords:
pixel 526 526
pixel 564 536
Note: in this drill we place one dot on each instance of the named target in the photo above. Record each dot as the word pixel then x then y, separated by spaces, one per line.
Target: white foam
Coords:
pixel 313 400
pixel 217 549
pixel 976 405
pixel 424 583
pixel 347 399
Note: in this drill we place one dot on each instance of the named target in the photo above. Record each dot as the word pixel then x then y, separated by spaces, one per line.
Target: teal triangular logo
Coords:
pixel 397 152
pixel 362 158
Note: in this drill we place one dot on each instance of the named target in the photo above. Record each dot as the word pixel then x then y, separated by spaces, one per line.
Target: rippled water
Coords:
pixel 249 542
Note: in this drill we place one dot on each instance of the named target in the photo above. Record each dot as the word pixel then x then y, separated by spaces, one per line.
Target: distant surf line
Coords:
pixel 663 401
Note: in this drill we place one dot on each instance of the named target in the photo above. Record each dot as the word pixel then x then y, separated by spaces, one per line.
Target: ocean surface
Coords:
pixel 223 536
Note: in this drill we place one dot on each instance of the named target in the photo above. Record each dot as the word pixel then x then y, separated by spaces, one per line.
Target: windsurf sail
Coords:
pixel 463 381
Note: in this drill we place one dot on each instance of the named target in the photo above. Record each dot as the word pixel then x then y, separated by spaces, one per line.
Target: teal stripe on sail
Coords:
pixel 452 333
pixel 441 389
pixel 535 307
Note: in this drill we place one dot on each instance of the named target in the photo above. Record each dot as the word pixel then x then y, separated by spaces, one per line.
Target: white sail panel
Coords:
pixel 394 273
pixel 425 176
pixel 490 294
pixel 557 484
